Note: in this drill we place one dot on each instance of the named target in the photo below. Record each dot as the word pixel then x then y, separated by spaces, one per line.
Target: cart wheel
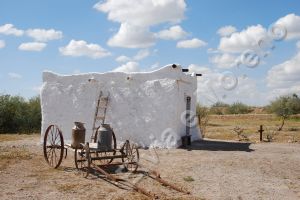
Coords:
pixel 132 157
pixel 83 160
pixel 105 153
pixel 53 146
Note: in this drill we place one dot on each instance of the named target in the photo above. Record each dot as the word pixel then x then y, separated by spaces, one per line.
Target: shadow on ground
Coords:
pixel 213 145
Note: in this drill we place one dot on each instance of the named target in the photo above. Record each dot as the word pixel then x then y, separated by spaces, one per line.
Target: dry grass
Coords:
pixel 222 127
pixel 15 137
pixel 12 155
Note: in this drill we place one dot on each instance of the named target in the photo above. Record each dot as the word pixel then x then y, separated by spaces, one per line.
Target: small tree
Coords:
pixel 202 114
pixel 284 106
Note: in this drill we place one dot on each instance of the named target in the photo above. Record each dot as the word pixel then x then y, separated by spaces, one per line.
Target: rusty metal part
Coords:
pixel 132 157
pixel 82 160
pixel 78 135
pixel 53 146
pixel 158 178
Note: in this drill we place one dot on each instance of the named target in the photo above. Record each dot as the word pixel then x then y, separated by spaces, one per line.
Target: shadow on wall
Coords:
pixel 212 145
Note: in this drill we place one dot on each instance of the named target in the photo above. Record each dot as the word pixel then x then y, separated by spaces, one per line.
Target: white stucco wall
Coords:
pixel 144 107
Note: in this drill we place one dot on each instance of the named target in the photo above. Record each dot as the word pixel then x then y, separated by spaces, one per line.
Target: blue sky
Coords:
pixel 209 37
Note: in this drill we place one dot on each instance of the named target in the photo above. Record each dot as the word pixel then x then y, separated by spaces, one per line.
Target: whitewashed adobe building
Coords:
pixel 145 107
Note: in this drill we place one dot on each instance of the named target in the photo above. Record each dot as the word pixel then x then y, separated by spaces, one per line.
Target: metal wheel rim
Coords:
pixel 132 158
pixel 53 146
pixel 82 163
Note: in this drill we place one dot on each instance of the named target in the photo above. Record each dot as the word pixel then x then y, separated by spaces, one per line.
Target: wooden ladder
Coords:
pixel 100 112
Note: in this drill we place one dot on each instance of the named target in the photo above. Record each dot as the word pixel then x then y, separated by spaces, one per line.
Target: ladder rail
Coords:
pixel 102 103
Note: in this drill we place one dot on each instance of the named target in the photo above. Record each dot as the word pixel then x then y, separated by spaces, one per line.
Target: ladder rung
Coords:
pixel 102 106
pixel 104 98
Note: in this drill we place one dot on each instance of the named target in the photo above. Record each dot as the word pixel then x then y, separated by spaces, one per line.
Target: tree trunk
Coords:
pixel 282 123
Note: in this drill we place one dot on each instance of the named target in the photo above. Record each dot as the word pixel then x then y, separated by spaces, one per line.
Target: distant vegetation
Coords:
pixel 18 115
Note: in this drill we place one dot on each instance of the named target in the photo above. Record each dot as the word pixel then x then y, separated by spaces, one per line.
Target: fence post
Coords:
pixel 261 130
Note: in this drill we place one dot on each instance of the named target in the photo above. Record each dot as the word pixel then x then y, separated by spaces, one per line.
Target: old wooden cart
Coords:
pixel 88 155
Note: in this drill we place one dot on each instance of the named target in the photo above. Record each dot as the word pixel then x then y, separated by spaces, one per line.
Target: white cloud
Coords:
pixel 224 60
pixel 173 33
pixel 211 87
pixel 193 43
pixel 136 17
pixel 9 29
pixel 291 23
pixel 43 35
pixel 13 75
pixel 78 48
pixel 143 13
pixel 128 67
pixel 32 46
pixel 226 31
pixel 130 36
pixel 122 59
pixel 285 77
pixel 2 44
pixel 142 54
pixel 247 39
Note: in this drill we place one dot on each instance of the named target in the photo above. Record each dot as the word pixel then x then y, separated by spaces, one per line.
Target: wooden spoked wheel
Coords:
pixel 53 146
pixel 82 159
pixel 105 153
pixel 131 160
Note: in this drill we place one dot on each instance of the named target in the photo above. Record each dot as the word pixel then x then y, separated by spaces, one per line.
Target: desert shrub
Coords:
pixel 218 108
pixel 238 108
pixel 19 115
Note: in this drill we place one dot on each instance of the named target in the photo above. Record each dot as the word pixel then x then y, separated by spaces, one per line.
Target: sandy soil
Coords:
pixel 210 170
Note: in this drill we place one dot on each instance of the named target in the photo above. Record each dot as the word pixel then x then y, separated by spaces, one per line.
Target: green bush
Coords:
pixel 18 115
pixel 238 108
pixel 218 108
pixel 285 106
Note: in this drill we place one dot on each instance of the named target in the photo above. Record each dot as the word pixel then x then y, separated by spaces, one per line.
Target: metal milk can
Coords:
pixel 78 135
pixel 104 139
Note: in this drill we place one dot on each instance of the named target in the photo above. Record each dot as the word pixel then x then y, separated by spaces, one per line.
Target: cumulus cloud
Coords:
pixel 123 59
pixel 285 77
pixel 13 75
pixel 226 31
pixel 130 36
pixel 2 44
pixel 128 67
pixel 212 87
pixel 143 13
pixel 224 60
pixel 78 48
pixel 43 35
pixel 193 43
pixel 32 46
pixel 141 54
pixel 9 29
pixel 173 33
pixel 247 39
pixel 136 17
pixel 291 23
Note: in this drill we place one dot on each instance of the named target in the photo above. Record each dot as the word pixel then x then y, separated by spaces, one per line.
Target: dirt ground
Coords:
pixel 210 170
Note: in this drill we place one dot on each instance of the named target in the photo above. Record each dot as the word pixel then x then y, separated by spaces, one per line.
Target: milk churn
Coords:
pixel 104 138
pixel 78 135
